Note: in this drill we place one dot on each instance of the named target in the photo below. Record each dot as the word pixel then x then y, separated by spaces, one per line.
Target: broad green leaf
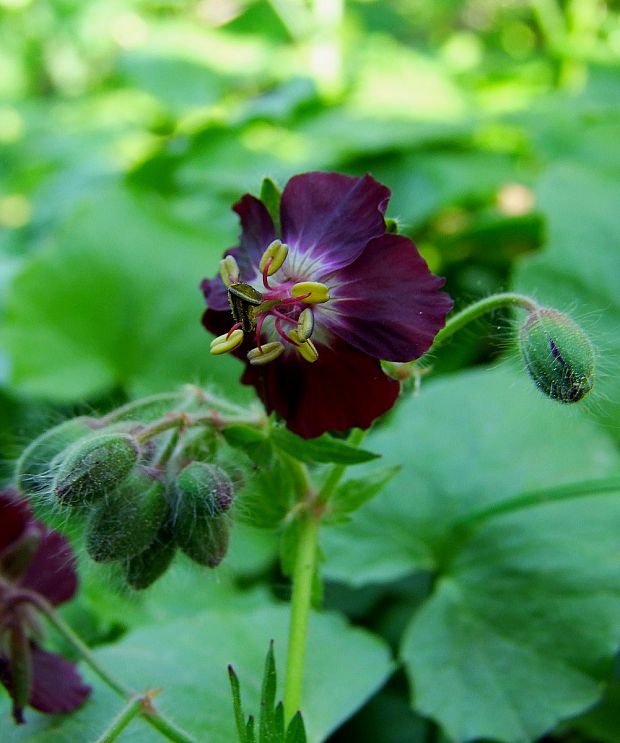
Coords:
pixel 325 448
pixel 579 271
pixel 467 442
pixel 517 625
pixel 268 495
pixel 188 658
pixel 526 597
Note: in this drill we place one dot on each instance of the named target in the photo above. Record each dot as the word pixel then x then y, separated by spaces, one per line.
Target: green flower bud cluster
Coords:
pixel 140 501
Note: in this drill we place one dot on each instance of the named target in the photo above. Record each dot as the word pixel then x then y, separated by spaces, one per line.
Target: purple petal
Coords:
pixel 328 218
pixel 52 569
pixel 15 515
pixel 387 303
pixel 257 232
pixel 342 390
pixel 57 686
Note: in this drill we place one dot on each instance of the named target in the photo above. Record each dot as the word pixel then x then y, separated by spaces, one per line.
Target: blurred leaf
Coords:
pixel 268 495
pixel 325 448
pixel 526 604
pixel 105 311
pixel 579 272
pixel 189 658
pixel 356 491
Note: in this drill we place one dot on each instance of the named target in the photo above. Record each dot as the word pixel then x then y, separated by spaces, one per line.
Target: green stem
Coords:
pixel 166 727
pixel 183 420
pixel 303 577
pixel 534 498
pixel 305 565
pixel 135 405
pixel 475 310
pixel 131 710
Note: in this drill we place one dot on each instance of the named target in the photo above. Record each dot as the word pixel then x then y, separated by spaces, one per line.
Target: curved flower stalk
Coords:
pixel 317 306
pixel 35 563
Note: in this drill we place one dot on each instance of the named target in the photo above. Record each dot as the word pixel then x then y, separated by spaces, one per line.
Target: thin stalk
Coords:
pixel 303 574
pixel 303 577
pixel 130 711
pixel 587 488
pixel 136 405
pixel 155 718
pixel 184 420
pixel 475 310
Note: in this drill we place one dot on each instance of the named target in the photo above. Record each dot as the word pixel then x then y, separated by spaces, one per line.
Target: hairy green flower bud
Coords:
pixel 33 467
pixel 89 469
pixel 145 568
pixel 203 493
pixel 126 522
pixel 558 355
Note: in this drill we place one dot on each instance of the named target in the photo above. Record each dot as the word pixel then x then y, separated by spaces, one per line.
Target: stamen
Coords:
pixel 259 329
pixel 268 352
pixel 229 270
pixel 314 291
pixel 243 300
pixel 277 251
pixel 306 349
pixel 305 324
pixel 225 343
pixel 281 333
pixel 232 330
pixel 266 272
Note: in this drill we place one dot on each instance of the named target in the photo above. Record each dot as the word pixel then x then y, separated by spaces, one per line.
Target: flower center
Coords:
pixel 288 303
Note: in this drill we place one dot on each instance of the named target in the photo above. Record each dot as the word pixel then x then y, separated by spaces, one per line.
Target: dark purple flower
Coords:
pixel 36 564
pixel 317 307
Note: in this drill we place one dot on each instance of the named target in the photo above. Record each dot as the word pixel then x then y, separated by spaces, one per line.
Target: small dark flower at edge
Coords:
pixel 315 308
pixel 34 562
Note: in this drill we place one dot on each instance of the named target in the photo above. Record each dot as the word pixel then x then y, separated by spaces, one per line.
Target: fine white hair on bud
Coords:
pixel 558 355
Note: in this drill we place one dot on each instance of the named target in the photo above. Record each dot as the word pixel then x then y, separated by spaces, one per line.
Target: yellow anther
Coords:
pixel 229 270
pixel 277 251
pixel 266 353
pixel 306 349
pixel 225 343
pixel 305 324
pixel 315 291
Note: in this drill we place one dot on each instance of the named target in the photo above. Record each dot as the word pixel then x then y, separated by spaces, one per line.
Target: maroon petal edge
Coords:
pixel 344 389
pixel 57 685
pixel 388 303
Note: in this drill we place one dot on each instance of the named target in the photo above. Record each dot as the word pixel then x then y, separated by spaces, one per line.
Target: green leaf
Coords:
pixel 268 495
pixel 526 582
pixel 189 657
pixel 268 699
pixel 353 493
pixel 270 196
pixel 237 707
pixel 579 271
pixel 296 732
pixel 123 312
pixel 325 448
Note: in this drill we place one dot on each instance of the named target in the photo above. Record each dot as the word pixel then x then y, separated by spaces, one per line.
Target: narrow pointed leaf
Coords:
pixel 237 708
pixel 268 698
pixel 296 732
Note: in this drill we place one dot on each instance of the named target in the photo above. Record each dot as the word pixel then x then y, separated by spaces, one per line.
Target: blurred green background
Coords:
pixel 129 127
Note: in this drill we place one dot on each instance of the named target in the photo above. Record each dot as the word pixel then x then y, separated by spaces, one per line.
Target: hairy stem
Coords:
pixel 475 310
pixel 166 727
pixel 119 723
pixel 185 420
